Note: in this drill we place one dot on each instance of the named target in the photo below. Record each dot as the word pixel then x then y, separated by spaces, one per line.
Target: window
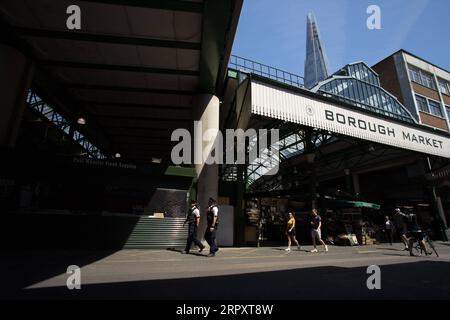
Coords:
pixel 422 104
pixel 444 87
pixel 429 106
pixel 424 78
pixel 435 108
pixel 415 75
pixel 447 108
pixel 428 80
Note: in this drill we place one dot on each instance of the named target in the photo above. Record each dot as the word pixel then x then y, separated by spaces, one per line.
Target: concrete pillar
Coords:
pixel 16 72
pixel 207 113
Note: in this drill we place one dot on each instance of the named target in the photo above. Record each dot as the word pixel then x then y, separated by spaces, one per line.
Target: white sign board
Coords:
pixel 225 234
pixel 277 103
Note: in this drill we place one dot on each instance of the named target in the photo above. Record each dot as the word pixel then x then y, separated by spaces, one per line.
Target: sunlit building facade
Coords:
pixel 422 87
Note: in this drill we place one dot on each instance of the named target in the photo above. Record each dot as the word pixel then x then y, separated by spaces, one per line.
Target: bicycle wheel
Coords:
pixel 431 244
pixel 417 250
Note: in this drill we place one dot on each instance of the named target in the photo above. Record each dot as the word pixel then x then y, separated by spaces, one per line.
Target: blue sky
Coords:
pixel 273 32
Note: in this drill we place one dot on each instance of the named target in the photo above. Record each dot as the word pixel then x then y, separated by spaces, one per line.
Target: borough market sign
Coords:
pixel 278 103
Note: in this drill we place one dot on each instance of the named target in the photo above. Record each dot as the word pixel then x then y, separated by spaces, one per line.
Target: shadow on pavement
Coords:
pixel 420 280
pixel 21 269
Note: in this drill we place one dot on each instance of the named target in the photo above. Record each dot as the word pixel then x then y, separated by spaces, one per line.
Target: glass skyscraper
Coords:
pixel 316 63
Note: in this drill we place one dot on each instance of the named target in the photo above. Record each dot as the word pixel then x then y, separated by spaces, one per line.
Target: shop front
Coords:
pixel 345 223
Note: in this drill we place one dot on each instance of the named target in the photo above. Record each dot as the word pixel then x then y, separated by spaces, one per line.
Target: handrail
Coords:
pixel 250 66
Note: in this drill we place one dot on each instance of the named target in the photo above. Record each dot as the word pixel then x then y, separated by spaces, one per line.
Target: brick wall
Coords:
pixel 389 78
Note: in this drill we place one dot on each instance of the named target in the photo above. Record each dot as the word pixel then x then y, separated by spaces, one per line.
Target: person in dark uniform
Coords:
pixel 212 217
pixel 193 220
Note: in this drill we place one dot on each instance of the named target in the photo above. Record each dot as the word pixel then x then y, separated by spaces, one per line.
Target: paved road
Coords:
pixel 235 273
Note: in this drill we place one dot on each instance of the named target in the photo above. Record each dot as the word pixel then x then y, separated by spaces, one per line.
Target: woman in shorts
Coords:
pixel 290 232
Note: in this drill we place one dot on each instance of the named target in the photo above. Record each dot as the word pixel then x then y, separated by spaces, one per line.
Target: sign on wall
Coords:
pixel 278 103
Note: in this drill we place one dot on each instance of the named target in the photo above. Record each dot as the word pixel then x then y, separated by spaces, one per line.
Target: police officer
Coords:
pixel 212 217
pixel 193 219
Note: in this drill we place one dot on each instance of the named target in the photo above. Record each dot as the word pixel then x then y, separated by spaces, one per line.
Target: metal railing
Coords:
pixel 249 66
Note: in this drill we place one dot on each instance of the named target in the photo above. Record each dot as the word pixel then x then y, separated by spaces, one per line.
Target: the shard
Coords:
pixel 316 63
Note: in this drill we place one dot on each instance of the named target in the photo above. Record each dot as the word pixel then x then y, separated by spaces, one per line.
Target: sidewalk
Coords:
pixel 235 273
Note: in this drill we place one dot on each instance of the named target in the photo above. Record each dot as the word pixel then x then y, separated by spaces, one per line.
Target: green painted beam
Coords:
pixel 233 74
pixel 103 38
pixel 175 5
pixel 114 67
pixel 180 172
pixel 128 89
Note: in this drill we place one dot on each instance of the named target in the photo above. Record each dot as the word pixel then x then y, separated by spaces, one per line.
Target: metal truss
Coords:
pixel 328 165
pixel 291 144
pixel 46 112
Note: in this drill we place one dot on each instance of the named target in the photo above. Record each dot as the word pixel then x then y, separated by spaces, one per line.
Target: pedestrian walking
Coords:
pixel 389 229
pixel 401 227
pixel 193 220
pixel 290 232
pixel 212 217
pixel 316 224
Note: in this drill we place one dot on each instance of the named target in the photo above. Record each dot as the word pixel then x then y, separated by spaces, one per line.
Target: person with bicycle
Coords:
pixel 414 232
pixel 400 226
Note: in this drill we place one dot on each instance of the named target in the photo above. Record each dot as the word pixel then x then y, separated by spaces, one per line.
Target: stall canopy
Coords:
pixel 353 204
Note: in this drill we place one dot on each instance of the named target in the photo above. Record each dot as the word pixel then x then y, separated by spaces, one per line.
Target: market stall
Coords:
pixel 351 222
